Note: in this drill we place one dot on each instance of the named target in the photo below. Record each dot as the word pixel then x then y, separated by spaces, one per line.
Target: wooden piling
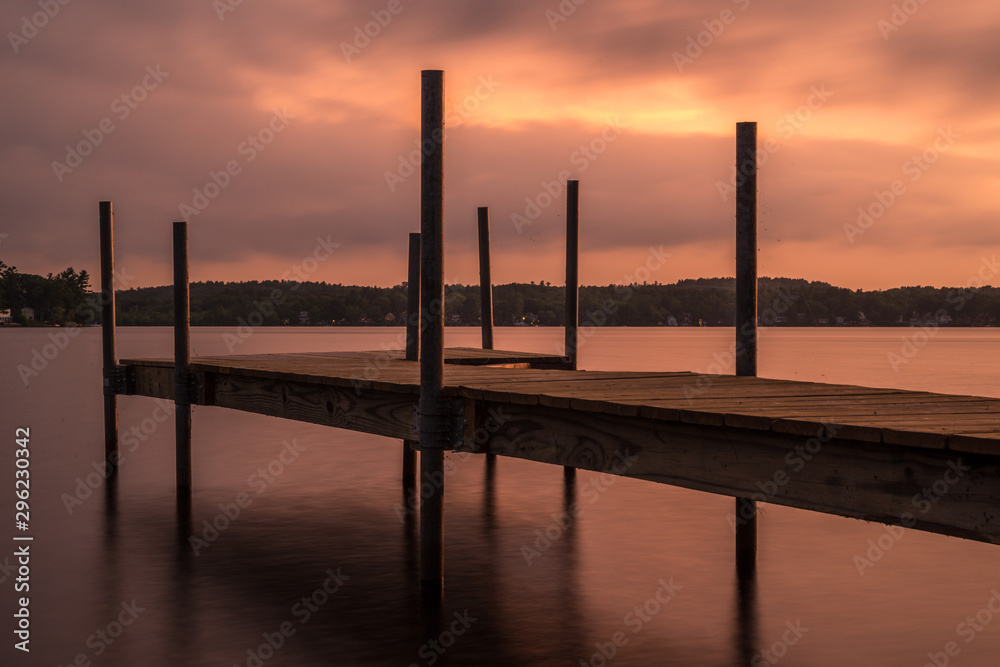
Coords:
pixel 486 292
pixel 108 347
pixel 572 283
pixel 182 358
pixel 412 352
pixel 485 278
pixel 572 270
pixel 434 412
pixel 746 249
pixel 746 313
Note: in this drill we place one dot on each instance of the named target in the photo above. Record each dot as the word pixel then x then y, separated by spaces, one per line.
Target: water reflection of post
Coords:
pixel 111 568
pixel 183 628
pixel 569 590
pixel 747 617
pixel 489 499
pixel 111 530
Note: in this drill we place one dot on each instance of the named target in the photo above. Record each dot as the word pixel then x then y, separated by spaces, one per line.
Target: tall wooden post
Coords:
pixel 572 284
pixel 182 358
pixel 746 312
pixel 434 412
pixel 108 348
pixel 572 270
pixel 485 278
pixel 412 354
pixel 486 297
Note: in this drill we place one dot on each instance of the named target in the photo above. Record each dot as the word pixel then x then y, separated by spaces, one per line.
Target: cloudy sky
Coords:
pixel 270 125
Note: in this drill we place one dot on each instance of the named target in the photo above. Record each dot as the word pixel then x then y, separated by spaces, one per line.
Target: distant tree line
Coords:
pixel 57 299
pixel 702 301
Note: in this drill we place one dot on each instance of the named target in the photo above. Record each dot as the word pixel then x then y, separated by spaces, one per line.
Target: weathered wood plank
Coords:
pixel 155 381
pixel 379 413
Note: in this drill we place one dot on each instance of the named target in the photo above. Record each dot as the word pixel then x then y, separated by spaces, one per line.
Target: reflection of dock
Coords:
pixel 855 451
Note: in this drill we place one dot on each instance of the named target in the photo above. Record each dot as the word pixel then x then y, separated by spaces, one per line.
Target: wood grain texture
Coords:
pixel 378 413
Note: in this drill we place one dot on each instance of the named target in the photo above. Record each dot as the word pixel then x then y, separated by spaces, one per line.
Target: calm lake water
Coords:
pixel 114 580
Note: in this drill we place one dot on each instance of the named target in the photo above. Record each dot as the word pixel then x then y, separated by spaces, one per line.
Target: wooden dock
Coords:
pixel 923 460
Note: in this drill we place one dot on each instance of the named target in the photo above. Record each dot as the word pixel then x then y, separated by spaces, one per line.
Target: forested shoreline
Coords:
pixel 68 298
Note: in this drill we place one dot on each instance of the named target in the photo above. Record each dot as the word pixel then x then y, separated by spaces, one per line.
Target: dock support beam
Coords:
pixel 412 354
pixel 434 412
pixel 746 313
pixel 110 355
pixel 182 358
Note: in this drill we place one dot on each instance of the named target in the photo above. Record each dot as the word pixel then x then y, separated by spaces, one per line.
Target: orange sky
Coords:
pixel 312 118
